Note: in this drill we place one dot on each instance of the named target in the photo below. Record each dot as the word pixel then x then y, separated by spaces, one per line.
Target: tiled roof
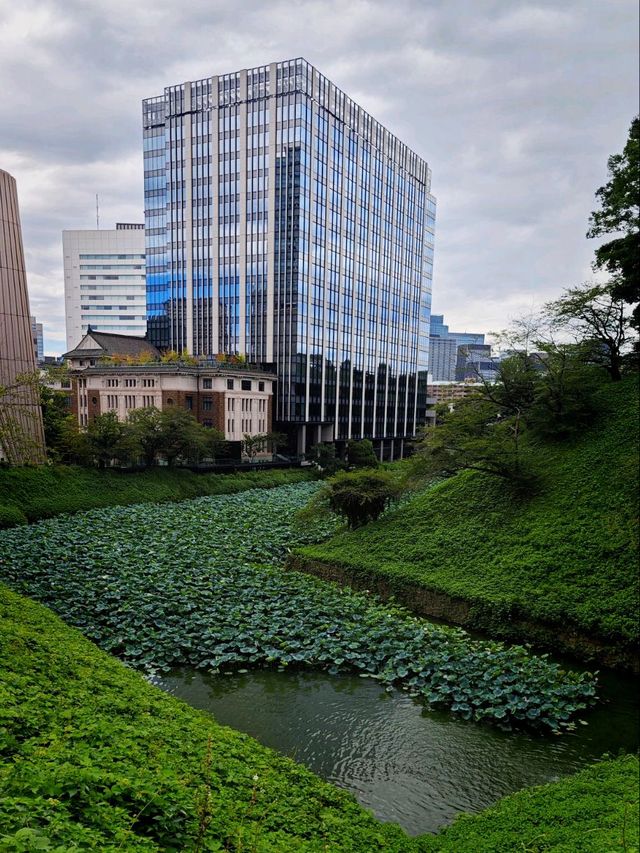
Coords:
pixel 113 344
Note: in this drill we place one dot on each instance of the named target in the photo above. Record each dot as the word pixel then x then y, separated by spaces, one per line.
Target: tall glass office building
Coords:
pixel 285 224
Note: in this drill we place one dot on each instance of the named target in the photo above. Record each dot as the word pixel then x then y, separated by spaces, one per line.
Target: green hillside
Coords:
pixel 29 494
pixel 566 557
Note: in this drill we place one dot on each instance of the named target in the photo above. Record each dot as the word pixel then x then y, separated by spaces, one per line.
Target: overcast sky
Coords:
pixel 515 105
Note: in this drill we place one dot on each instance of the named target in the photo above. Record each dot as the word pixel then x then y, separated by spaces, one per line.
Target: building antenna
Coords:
pixel 97 213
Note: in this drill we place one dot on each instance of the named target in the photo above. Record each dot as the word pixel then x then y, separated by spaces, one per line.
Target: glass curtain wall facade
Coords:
pixel 285 224
pixel 444 349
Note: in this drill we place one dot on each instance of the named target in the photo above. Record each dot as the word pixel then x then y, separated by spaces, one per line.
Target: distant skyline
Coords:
pixel 515 105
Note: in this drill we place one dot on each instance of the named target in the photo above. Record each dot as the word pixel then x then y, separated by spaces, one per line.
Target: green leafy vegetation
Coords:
pixel 190 584
pixel 594 811
pixel 29 494
pixel 358 496
pixel 93 757
pixel 619 214
pixel 565 556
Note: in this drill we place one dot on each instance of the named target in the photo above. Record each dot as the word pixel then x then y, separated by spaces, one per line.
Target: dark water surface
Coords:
pixel 414 767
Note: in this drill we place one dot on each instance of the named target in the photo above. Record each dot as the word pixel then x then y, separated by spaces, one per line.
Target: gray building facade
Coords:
pixel 444 363
pixel 285 224
pixel 21 427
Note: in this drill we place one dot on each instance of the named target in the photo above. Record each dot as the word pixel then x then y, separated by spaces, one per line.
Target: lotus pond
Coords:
pixel 199 584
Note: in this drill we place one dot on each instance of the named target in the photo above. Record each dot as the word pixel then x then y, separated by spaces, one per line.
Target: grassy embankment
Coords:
pixel 29 494
pixel 93 757
pixel 558 569
pixel 595 810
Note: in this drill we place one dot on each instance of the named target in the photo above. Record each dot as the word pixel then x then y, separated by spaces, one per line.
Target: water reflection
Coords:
pixel 410 766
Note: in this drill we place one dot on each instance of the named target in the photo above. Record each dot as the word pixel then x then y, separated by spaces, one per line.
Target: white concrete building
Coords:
pixel 104 281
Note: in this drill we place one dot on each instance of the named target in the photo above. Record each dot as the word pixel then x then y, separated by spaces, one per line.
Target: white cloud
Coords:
pixel 516 104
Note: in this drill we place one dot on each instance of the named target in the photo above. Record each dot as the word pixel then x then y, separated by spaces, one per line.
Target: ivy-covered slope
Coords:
pixel 567 556
pixel 93 757
pixel 29 494
pixel 594 811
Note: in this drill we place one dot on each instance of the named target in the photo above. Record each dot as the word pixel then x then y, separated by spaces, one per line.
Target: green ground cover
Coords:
pixel 29 494
pixel 566 556
pixel 595 810
pixel 198 584
pixel 93 757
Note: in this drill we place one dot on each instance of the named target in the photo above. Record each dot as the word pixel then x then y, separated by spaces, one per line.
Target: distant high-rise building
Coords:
pixel 285 224
pixel 37 337
pixel 104 281
pixel 21 430
pixel 444 345
pixel 475 363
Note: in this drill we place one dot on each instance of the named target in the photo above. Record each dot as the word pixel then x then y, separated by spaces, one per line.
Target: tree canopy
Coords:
pixel 619 213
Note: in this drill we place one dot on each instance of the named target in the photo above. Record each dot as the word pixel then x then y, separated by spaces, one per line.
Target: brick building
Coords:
pixel 236 399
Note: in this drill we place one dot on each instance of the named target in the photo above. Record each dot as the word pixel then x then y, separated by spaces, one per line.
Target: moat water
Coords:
pixel 414 767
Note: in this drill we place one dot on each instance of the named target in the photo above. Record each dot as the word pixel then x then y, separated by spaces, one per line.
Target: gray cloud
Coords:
pixel 516 106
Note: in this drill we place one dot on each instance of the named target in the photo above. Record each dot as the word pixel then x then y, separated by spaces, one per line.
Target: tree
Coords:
pixel 73 444
pixel 476 436
pixel 21 433
pixel 146 428
pixel 619 213
pixel 563 402
pixel 324 456
pixel 105 436
pixel 359 496
pixel 360 454
pixel 181 436
pixel 599 322
pixel 215 443
pixel 55 412
pixel 253 444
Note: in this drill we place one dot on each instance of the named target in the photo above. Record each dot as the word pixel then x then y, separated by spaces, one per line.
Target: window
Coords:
pixel 260 386
pixel 207 404
pixel 207 383
pixel 188 401
pixel 148 383
pixel 230 384
pixel 169 401
pixel 129 401
pixel 129 383
pixel 65 383
pixel 231 404
pixel 94 400
pixel 246 385
pixel 207 423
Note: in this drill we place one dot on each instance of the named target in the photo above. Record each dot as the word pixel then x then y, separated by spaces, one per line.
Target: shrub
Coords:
pixel 11 515
pixel 361 496
pixel 360 454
